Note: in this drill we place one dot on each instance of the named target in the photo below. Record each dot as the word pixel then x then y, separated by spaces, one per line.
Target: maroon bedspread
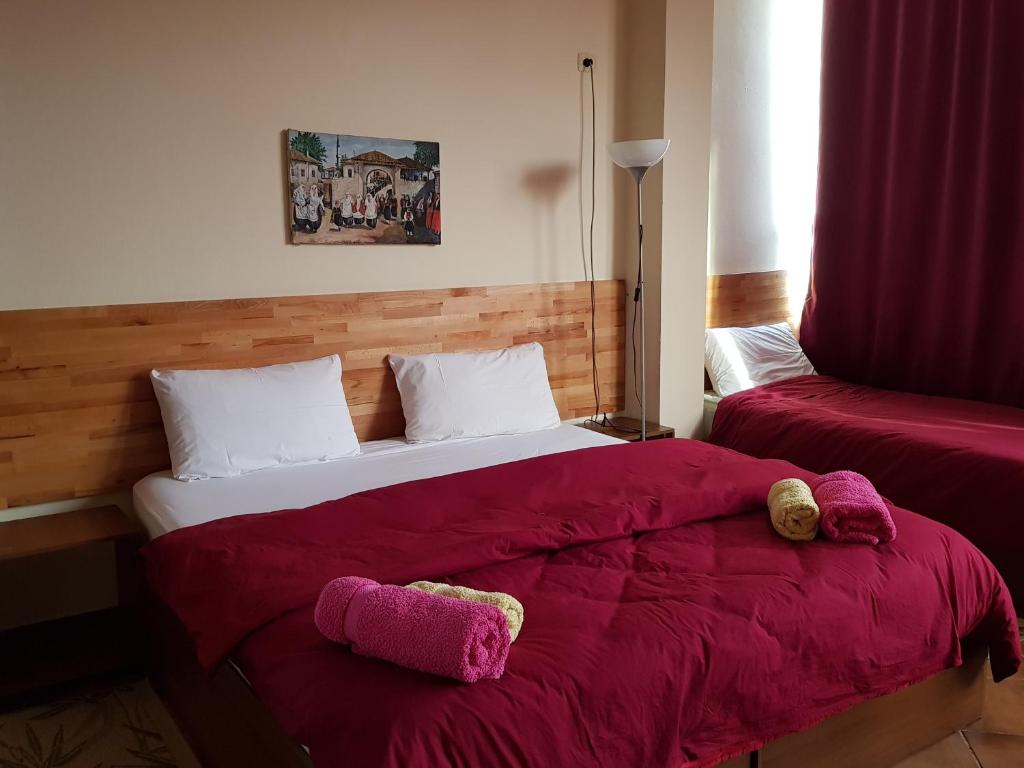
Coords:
pixel 665 623
pixel 956 461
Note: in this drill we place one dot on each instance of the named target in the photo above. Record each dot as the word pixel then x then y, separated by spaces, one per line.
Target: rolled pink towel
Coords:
pixel 432 633
pixel 851 509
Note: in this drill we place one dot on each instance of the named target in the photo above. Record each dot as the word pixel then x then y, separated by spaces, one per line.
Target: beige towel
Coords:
pixel 511 607
pixel 793 511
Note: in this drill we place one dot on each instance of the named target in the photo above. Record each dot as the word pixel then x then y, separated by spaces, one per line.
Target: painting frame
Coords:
pixel 346 189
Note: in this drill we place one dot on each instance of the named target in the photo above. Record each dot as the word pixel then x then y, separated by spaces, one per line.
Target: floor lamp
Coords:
pixel 638 157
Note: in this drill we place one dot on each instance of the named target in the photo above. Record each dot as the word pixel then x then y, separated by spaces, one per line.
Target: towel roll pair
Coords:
pixel 418 627
pixel 845 505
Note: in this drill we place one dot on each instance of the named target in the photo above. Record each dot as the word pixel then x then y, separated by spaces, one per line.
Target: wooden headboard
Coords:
pixel 743 300
pixel 751 298
pixel 77 411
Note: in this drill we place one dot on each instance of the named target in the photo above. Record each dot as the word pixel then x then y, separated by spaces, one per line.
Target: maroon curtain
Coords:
pixel 918 269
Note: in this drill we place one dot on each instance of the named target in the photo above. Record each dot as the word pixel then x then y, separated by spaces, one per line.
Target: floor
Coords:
pixel 994 741
pixel 125 725
pixel 121 725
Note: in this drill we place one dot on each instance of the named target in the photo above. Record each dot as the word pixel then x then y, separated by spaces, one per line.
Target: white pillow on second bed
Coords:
pixel 475 394
pixel 743 358
pixel 229 422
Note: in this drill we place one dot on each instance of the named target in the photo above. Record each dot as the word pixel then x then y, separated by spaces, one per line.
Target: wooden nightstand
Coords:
pixel 57 651
pixel 630 429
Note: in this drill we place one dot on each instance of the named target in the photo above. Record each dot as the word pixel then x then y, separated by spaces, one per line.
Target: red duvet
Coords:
pixel 956 461
pixel 665 623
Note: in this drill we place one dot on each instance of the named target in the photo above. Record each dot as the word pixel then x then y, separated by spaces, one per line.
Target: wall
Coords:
pixel 146 147
pixel 143 156
pixel 665 91
pixel 742 232
pixel 764 138
pixel 640 81
pixel 688 64
pixel 144 161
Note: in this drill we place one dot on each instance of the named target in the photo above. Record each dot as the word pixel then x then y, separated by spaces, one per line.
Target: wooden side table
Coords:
pixel 52 652
pixel 628 429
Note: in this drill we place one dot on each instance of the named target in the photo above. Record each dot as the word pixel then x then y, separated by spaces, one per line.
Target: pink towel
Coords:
pixel 419 630
pixel 851 509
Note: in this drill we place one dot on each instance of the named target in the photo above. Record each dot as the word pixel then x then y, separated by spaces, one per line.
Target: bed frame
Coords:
pixel 227 725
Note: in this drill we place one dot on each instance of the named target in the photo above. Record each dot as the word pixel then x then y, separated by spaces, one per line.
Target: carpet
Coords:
pixel 119 726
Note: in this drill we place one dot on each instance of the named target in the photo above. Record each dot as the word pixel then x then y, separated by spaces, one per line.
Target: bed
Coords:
pixel 665 623
pixel 956 461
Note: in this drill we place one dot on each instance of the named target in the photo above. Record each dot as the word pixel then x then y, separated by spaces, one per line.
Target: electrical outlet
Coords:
pixel 580 57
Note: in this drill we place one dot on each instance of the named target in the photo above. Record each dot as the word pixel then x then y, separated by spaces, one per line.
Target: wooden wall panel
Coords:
pixel 753 298
pixel 77 412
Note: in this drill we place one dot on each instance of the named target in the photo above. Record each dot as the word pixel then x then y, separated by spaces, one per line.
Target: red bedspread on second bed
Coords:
pixel 956 461
pixel 665 623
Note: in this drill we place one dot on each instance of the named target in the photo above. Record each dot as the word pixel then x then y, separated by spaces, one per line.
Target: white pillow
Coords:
pixel 742 358
pixel 475 394
pixel 227 423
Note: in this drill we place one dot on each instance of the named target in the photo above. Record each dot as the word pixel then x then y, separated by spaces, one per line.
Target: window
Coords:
pixel 302 173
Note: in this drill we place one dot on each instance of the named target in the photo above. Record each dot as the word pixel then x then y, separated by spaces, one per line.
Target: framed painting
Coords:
pixel 363 190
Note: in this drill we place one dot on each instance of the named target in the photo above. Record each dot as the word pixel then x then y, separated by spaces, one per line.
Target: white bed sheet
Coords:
pixel 164 504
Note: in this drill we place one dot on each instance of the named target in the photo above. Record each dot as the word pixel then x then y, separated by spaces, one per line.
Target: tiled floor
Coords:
pixel 994 741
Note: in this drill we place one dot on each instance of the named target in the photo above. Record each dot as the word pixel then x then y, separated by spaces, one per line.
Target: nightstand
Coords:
pixel 59 650
pixel 630 429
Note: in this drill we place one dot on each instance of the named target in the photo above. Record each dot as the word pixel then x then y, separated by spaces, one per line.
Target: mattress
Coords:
pixel 960 462
pixel 164 504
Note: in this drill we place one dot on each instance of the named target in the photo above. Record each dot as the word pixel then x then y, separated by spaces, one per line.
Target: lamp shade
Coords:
pixel 640 154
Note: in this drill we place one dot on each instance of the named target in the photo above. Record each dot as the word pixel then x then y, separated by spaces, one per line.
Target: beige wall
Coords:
pixel 142 156
pixel 142 160
pixel 142 141
pixel 641 115
pixel 688 62
pixel 143 152
pixel 665 91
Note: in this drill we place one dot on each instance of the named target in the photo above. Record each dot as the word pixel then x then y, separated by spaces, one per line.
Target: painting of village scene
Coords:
pixel 362 190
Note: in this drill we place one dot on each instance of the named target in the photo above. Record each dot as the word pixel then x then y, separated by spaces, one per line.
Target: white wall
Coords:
pixel 742 234
pixel 142 144
pixel 764 136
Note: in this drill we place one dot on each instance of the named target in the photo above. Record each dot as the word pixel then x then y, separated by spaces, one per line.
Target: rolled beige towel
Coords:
pixel 793 511
pixel 511 607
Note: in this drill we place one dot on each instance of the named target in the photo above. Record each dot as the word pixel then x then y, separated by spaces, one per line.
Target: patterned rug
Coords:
pixel 123 726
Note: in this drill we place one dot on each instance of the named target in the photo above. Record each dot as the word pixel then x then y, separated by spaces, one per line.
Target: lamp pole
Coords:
pixel 639 305
pixel 638 157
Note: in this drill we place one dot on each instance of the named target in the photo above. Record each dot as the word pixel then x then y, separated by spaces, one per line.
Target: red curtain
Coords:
pixel 917 280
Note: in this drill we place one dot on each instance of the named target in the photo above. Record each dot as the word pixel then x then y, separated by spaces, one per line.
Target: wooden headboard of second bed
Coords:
pixel 77 412
pixel 742 300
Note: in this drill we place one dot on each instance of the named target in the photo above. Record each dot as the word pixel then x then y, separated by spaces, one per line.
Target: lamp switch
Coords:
pixel 584 60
